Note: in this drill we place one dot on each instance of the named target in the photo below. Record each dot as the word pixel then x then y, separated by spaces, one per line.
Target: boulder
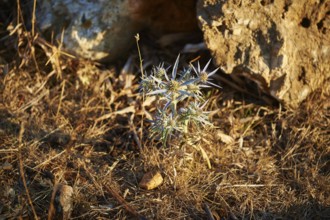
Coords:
pixel 99 30
pixel 104 30
pixel 283 45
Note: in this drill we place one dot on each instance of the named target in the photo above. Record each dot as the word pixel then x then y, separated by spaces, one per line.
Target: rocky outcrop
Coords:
pixel 104 30
pixel 283 45
pixel 97 30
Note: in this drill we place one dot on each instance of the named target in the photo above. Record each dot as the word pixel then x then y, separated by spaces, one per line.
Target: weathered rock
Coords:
pixel 283 45
pixel 61 202
pixel 98 30
pixel 104 30
pixel 151 180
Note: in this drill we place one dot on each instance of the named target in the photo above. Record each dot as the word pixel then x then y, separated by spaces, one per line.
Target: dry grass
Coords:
pixel 82 127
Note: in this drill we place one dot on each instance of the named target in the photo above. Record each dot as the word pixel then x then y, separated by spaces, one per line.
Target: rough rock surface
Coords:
pixel 283 45
pixel 104 30
pixel 151 180
pixel 61 202
pixel 98 30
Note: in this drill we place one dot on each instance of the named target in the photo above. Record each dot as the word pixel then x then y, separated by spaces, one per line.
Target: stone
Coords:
pixel 98 30
pixel 61 202
pixel 283 45
pixel 103 30
pixel 151 180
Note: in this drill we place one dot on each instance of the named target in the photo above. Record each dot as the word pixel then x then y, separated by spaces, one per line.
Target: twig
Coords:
pixel 20 18
pixel 137 37
pixel 136 138
pixel 242 90
pixel 34 17
pixel 51 210
pixel 233 85
pixel 6 151
pixel 129 109
pixel 48 160
pixel 46 46
pixel 208 212
pixel 34 101
pixel 125 204
pixel 21 170
pixel 245 185
pixel 61 98
pixel 34 36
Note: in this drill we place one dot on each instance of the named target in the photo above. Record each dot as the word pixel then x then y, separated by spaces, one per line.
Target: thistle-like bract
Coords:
pixel 175 89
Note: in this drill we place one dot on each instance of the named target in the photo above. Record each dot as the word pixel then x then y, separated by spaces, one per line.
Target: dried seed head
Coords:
pixel 174 96
pixel 193 87
pixel 172 123
pixel 173 86
pixel 203 77
pixel 159 72
pixel 147 85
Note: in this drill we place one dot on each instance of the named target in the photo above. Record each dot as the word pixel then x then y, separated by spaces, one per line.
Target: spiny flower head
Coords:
pixel 159 71
pixel 175 88
pixel 204 76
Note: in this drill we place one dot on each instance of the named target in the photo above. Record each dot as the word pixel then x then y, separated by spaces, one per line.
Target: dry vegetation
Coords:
pixel 75 122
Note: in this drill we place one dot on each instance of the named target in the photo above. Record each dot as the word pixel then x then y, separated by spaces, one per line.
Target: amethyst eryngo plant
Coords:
pixel 173 115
